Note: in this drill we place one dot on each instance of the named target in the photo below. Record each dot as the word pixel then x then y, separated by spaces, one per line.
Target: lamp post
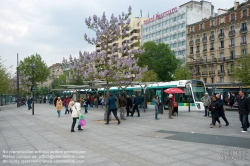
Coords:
pixel 33 66
pixel 188 87
pixel 17 84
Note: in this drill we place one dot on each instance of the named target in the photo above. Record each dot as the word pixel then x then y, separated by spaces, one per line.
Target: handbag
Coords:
pixel 82 122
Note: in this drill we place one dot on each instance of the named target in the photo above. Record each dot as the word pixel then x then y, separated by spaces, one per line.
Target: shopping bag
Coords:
pixel 82 122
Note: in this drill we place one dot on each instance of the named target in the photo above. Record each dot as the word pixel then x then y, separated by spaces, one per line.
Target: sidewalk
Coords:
pixel 185 140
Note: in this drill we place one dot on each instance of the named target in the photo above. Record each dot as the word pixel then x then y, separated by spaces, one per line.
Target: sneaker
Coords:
pixel 243 131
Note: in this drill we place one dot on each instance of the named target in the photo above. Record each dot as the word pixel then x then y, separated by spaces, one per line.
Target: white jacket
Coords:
pixel 71 103
pixel 76 110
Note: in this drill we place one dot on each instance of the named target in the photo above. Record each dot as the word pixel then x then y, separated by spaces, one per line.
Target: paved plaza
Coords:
pixel 185 140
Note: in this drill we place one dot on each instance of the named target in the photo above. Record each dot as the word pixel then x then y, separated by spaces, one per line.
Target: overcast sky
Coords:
pixel 55 28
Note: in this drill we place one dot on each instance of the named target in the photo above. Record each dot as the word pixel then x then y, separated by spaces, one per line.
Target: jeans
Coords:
pixel 86 108
pixel 122 112
pixel 114 113
pixel 206 111
pixel 135 108
pixel 156 112
pixel 58 112
pixel 66 110
pixel 244 121
pixel 29 106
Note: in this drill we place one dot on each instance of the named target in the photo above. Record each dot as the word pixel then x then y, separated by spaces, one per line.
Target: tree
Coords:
pixel 41 72
pixel 4 78
pixel 103 65
pixel 149 76
pixel 241 70
pixel 159 58
pixel 182 73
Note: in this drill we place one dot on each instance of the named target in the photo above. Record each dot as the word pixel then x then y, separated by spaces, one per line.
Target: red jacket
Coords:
pixel 66 101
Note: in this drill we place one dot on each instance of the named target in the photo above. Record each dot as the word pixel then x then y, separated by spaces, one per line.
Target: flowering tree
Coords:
pixel 114 64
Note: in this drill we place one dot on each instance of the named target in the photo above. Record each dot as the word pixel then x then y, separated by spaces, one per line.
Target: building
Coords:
pixel 132 37
pixel 170 26
pixel 213 44
pixel 55 71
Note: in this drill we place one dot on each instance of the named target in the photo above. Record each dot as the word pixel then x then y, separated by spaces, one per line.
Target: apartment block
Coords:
pixel 215 43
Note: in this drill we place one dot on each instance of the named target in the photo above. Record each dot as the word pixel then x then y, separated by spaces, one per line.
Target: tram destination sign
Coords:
pixel 159 16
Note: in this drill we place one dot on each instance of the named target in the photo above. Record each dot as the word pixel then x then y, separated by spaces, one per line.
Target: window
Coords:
pixel 221 44
pixel 192 29
pixel 244 51
pixel 222 68
pixel 231 55
pixel 221 31
pixel 231 28
pixel 212 33
pixel 221 79
pixel 204 47
pixel 212 23
pixel 201 26
pixel 222 20
pixel 233 17
pixel 205 80
pixel 191 50
pixel 243 25
pixel 222 56
pixel 245 13
pixel 212 80
pixel 198 49
pixel 212 58
pixel 231 42
pixel 211 46
pixel 198 36
pixel 243 39
pixel 205 58
pixel 204 35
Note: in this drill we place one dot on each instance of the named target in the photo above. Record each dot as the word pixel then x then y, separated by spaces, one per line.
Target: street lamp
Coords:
pixel 188 87
pixel 33 66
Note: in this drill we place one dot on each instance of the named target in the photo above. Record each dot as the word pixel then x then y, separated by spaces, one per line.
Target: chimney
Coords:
pixel 236 5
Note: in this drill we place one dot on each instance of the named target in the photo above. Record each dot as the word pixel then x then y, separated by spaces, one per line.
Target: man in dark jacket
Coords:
pixel 135 106
pixel 244 108
pixel 129 105
pixel 222 112
pixel 112 108
pixel 66 104
pixel 122 104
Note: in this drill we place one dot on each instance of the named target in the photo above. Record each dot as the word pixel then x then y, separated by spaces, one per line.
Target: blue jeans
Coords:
pixel 58 112
pixel 67 110
pixel 29 106
pixel 244 121
pixel 86 108
pixel 156 112
pixel 206 112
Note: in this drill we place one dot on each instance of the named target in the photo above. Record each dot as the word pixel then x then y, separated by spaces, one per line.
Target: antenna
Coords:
pixel 148 14
pixel 141 12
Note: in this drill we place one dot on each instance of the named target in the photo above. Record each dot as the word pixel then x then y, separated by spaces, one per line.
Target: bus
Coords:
pixel 194 91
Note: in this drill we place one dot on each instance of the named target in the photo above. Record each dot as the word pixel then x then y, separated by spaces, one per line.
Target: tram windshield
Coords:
pixel 198 89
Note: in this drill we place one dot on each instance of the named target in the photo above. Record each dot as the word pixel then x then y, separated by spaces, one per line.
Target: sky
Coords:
pixel 55 28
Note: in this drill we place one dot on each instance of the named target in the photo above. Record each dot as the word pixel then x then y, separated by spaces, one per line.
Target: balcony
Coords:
pixel 230 71
pixel 212 49
pixel 231 45
pixel 205 50
pixel 198 51
pixel 221 72
pixel 204 39
pixel 211 73
pixel 221 47
pixel 231 33
pixel 243 43
pixel 197 41
pixel 243 30
pixel 191 42
pixel 204 73
pixel 222 59
pixel 221 36
pixel 191 53
pixel 211 38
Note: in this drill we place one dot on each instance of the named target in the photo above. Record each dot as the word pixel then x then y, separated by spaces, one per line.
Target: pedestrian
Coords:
pixel 215 111
pixel 139 101
pixel 59 105
pixel 29 102
pixel 71 103
pixel 222 111
pixel 157 104
pixel 76 112
pixel 129 105
pixel 170 105
pixel 135 106
pixel 206 102
pixel 44 99
pixel 244 109
pixel 122 104
pixel 66 104
pixel 232 100
pixel 103 102
pixel 112 108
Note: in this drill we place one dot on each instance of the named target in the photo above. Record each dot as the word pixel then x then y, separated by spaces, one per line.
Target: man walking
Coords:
pixel 222 112
pixel 129 105
pixel 135 107
pixel 244 108
pixel 206 101
pixel 112 108
pixel 122 103
pixel 66 104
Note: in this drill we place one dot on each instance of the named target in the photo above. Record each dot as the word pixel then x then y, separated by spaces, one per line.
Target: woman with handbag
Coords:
pixel 58 104
pixel 157 104
pixel 75 114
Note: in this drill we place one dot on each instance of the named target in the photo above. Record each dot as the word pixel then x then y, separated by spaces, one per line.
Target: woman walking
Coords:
pixel 170 105
pixel 157 104
pixel 215 109
pixel 71 103
pixel 59 106
pixel 75 114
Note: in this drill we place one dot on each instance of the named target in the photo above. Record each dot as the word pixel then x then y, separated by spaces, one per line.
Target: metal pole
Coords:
pixel 189 99
pixel 17 83
pixel 33 90
pixel 144 98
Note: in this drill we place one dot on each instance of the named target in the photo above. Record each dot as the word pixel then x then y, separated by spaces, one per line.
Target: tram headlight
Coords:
pixel 198 105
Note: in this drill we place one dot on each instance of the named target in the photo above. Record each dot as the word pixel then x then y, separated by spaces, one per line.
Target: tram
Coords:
pixel 194 91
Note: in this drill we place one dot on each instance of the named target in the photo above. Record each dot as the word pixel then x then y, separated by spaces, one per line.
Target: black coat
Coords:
pixel 244 106
pixel 129 102
pixel 221 108
pixel 215 111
